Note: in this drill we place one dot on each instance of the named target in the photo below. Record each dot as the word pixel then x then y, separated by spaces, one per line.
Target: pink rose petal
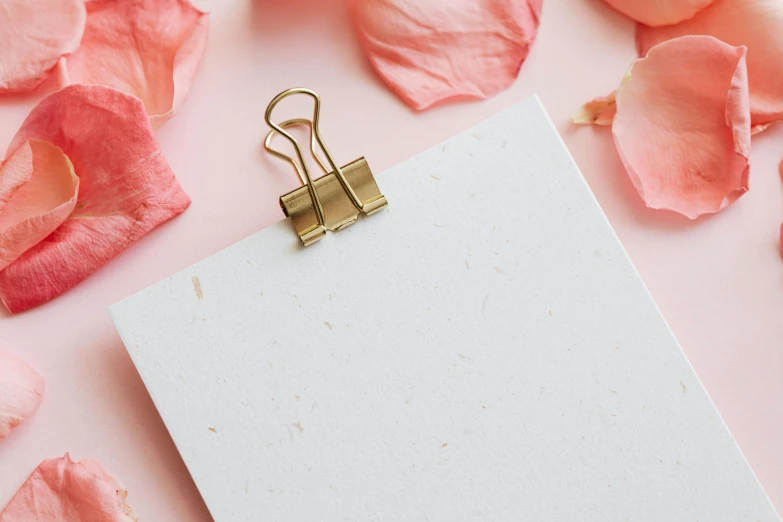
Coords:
pixel 34 34
pixel 659 12
pixel 126 189
pixel 683 125
pixel 38 190
pixel 21 389
pixel 430 51
pixel 148 48
pixel 66 491
pixel 756 24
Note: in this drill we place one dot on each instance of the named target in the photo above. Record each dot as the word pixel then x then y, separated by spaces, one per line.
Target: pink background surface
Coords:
pixel 718 281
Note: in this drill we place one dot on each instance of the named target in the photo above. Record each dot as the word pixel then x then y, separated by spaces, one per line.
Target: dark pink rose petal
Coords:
pixel 34 35
pixel 148 48
pixel 126 189
pixel 682 125
pixel 430 51
pixel 21 389
pixel 756 24
pixel 62 490
pixel 38 190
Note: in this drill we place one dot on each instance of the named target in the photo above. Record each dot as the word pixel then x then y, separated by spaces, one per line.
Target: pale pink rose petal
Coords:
pixel 21 389
pixel 34 34
pixel 61 490
pixel 430 51
pixel 756 24
pixel 659 12
pixel 600 111
pixel 126 189
pixel 38 190
pixel 683 125
pixel 148 48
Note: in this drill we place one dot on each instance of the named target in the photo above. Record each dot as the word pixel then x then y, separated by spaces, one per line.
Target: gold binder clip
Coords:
pixel 333 201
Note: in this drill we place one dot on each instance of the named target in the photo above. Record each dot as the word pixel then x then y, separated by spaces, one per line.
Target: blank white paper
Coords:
pixel 481 350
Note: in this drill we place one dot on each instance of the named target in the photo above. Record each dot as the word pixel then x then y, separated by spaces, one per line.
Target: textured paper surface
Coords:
pixel 482 350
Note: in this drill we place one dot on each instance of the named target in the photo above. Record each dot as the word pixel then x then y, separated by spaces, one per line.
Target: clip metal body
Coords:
pixel 333 201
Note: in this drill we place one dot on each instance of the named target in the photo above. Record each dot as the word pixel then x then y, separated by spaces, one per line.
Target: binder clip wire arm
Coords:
pixel 291 123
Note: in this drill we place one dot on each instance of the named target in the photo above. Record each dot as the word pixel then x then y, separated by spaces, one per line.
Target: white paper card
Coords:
pixel 482 350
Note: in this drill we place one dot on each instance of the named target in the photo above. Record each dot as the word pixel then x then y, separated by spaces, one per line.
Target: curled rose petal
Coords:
pixel 38 190
pixel 126 189
pixel 756 24
pixel 148 48
pixel 659 12
pixel 67 491
pixel 600 111
pixel 34 35
pixel 429 51
pixel 683 125
pixel 21 389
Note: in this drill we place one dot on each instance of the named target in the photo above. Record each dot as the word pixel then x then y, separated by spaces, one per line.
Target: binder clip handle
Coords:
pixel 316 136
